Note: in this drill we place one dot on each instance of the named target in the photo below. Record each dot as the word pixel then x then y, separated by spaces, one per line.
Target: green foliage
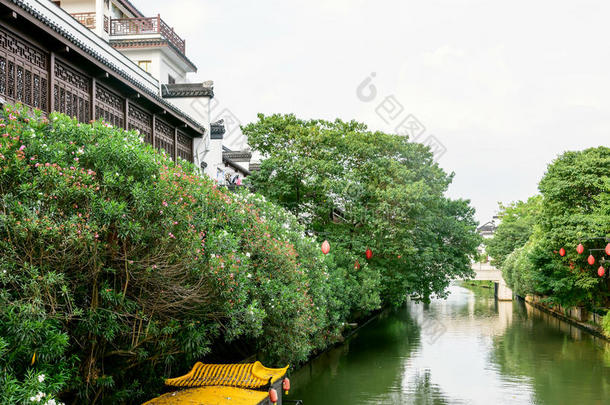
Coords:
pixel 517 225
pixel 360 189
pixel 574 208
pixel 119 267
pixel 606 324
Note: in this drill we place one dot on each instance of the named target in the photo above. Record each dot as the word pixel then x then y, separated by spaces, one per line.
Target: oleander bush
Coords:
pixel 119 267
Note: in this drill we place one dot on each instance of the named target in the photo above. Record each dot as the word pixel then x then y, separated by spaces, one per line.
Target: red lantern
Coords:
pixel 580 248
pixel 562 252
pixel 286 385
pixel 273 395
pixel 357 265
pixel 608 249
pixel 601 271
pixel 591 260
pixel 369 254
pixel 325 247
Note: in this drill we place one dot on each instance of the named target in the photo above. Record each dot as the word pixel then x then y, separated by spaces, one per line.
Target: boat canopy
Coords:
pixel 219 384
pixel 247 375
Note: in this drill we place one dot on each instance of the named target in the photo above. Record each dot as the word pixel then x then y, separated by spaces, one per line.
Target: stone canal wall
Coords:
pixel 578 316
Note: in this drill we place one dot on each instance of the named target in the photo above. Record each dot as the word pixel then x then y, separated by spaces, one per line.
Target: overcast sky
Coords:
pixel 504 86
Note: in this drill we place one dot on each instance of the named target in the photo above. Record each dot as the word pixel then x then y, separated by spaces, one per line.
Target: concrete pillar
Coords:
pixel 503 292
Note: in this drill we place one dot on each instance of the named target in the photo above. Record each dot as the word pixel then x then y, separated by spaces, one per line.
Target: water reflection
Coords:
pixel 488 352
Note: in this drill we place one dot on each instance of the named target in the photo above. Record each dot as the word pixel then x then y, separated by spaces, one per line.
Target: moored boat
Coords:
pixel 221 384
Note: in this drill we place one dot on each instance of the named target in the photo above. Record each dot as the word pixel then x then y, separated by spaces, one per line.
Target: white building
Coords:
pixel 158 50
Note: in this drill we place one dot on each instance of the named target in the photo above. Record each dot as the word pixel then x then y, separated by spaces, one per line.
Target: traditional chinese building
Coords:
pixel 104 59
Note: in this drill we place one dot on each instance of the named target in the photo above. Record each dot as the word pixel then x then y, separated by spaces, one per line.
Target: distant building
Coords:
pixel 103 59
pixel 488 229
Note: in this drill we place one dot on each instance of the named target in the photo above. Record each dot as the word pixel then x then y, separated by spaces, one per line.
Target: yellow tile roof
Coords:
pixel 248 375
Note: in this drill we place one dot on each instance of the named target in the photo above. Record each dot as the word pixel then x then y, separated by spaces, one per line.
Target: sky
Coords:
pixel 502 88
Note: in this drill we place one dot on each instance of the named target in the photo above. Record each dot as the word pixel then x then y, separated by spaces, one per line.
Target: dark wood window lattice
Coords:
pixel 164 137
pixel 23 72
pixel 24 78
pixel 185 147
pixel 109 106
pixel 72 92
pixel 142 121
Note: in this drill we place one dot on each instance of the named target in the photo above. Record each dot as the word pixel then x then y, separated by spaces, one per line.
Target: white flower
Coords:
pixel 247 254
pixel 249 275
pixel 41 378
pixel 51 402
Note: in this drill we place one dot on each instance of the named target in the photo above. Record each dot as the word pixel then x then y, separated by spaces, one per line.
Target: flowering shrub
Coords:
pixel 119 267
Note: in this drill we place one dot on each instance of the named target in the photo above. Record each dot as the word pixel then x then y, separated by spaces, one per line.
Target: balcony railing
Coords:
pixel 87 19
pixel 144 26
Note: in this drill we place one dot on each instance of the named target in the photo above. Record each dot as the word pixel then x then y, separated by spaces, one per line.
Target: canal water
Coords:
pixel 467 349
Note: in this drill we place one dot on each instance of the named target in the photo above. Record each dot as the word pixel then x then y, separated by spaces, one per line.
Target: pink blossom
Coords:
pixel 171 235
pixel 22 147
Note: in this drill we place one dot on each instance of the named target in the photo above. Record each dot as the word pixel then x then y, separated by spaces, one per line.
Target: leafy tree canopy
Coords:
pixel 361 190
pixel 516 226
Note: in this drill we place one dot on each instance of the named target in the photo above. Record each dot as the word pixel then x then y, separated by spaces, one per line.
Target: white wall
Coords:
pixel 168 68
pixel 205 149
pixel 78 6
pixel 161 66
pixel 153 55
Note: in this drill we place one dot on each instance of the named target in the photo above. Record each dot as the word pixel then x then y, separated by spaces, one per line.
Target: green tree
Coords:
pixel 574 209
pixel 361 189
pixel 516 226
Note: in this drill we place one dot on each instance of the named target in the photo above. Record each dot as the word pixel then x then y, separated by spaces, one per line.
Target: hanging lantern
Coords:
pixel 325 247
pixel 562 252
pixel 601 271
pixel 357 265
pixel 369 254
pixel 607 249
pixel 591 260
pixel 580 248
pixel 286 385
pixel 273 396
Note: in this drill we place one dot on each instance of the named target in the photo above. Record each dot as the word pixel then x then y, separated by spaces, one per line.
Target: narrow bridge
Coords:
pixel 487 272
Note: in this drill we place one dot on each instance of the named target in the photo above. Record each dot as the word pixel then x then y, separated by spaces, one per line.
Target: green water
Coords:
pixel 467 349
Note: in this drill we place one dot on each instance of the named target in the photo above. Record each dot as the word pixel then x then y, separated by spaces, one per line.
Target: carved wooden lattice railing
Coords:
pixel 146 25
pixel 87 19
